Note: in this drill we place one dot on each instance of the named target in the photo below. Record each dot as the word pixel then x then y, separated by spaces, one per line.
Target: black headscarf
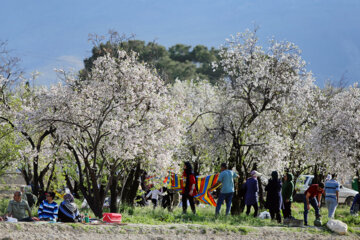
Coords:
pixel 275 176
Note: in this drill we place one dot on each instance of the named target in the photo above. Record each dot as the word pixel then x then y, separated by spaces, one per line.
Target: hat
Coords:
pixel 255 173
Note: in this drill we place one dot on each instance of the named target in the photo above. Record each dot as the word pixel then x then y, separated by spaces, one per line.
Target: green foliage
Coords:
pixel 178 62
pixel 9 149
pixel 4 202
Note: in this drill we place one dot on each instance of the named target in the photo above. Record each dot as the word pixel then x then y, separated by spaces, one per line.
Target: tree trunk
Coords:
pixel 36 177
pixel 26 173
pixel 127 186
pixel 134 186
pixel 235 160
pixel 113 195
pixel 50 178
pixel 261 189
pixel 261 193
pixel 318 176
pixel 358 180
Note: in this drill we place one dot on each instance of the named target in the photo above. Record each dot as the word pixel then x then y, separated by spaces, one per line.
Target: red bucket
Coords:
pixel 112 217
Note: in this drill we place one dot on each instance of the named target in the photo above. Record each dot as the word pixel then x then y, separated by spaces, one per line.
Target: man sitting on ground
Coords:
pixel 48 210
pixel 17 208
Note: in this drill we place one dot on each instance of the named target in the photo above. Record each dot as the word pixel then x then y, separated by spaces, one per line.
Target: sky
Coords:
pixel 48 34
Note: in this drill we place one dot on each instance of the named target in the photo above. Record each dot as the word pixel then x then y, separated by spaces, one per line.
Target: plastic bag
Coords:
pixel 11 219
pixel 264 215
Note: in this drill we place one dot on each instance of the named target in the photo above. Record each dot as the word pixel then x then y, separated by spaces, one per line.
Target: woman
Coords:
pixel 287 194
pixel 68 211
pixel 189 190
pixel 274 199
pixel 251 195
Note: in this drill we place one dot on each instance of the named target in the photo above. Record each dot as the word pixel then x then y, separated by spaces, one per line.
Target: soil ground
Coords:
pixel 29 231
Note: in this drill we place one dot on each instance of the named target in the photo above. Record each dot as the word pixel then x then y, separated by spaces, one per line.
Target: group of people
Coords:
pixel 279 194
pixel 279 197
pixel 48 210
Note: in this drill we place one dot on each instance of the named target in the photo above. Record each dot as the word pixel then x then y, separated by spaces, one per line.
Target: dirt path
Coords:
pixel 29 231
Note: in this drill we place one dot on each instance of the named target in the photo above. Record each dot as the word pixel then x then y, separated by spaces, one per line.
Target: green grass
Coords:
pixel 205 218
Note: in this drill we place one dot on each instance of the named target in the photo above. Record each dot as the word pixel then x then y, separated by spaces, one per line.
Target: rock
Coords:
pixel 317 222
pixel 337 226
pixel 7 238
pixel 293 222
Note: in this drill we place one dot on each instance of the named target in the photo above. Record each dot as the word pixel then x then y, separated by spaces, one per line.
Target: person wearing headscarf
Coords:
pixel 287 194
pixel 251 195
pixel 274 199
pixel 189 190
pixel 68 211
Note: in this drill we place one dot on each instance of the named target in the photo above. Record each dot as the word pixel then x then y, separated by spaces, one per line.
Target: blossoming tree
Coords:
pixel 259 85
pixel 120 118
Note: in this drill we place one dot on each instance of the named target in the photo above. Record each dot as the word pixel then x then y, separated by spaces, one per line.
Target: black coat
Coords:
pixel 273 198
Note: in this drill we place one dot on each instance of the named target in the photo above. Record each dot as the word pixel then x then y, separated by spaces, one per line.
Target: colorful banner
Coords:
pixel 203 185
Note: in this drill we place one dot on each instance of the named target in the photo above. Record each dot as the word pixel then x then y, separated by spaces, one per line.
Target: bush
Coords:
pixel 3 205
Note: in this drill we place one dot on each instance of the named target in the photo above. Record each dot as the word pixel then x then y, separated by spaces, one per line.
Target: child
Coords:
pixel 154 196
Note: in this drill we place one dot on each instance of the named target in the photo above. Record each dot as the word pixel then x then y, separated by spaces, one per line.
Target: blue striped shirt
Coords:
pixel 331 187
pixel 48 210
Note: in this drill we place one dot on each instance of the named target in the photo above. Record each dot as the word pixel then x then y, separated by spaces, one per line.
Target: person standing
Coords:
pixel 355 205
pixel 251 195
pixel 313 196
pixel 287 194
pixel 273 199
pixel 226 179
pixel 332 188
pixel 189 190
pixel 48 210
pixel 17 208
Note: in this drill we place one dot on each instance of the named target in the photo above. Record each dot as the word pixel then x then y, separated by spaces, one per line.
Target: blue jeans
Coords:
pixel 314 203
pixel 331 204
pixel 228 198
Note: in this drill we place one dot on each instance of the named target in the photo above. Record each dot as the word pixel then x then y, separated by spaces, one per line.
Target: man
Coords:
pixel 313 196
pixel 332 188
pixel 226 178
pixel 17 208
pixel 355 205
pixel 48 210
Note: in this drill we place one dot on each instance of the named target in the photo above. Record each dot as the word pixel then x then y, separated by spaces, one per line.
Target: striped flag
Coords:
pixel 176 182
pixel 204 184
